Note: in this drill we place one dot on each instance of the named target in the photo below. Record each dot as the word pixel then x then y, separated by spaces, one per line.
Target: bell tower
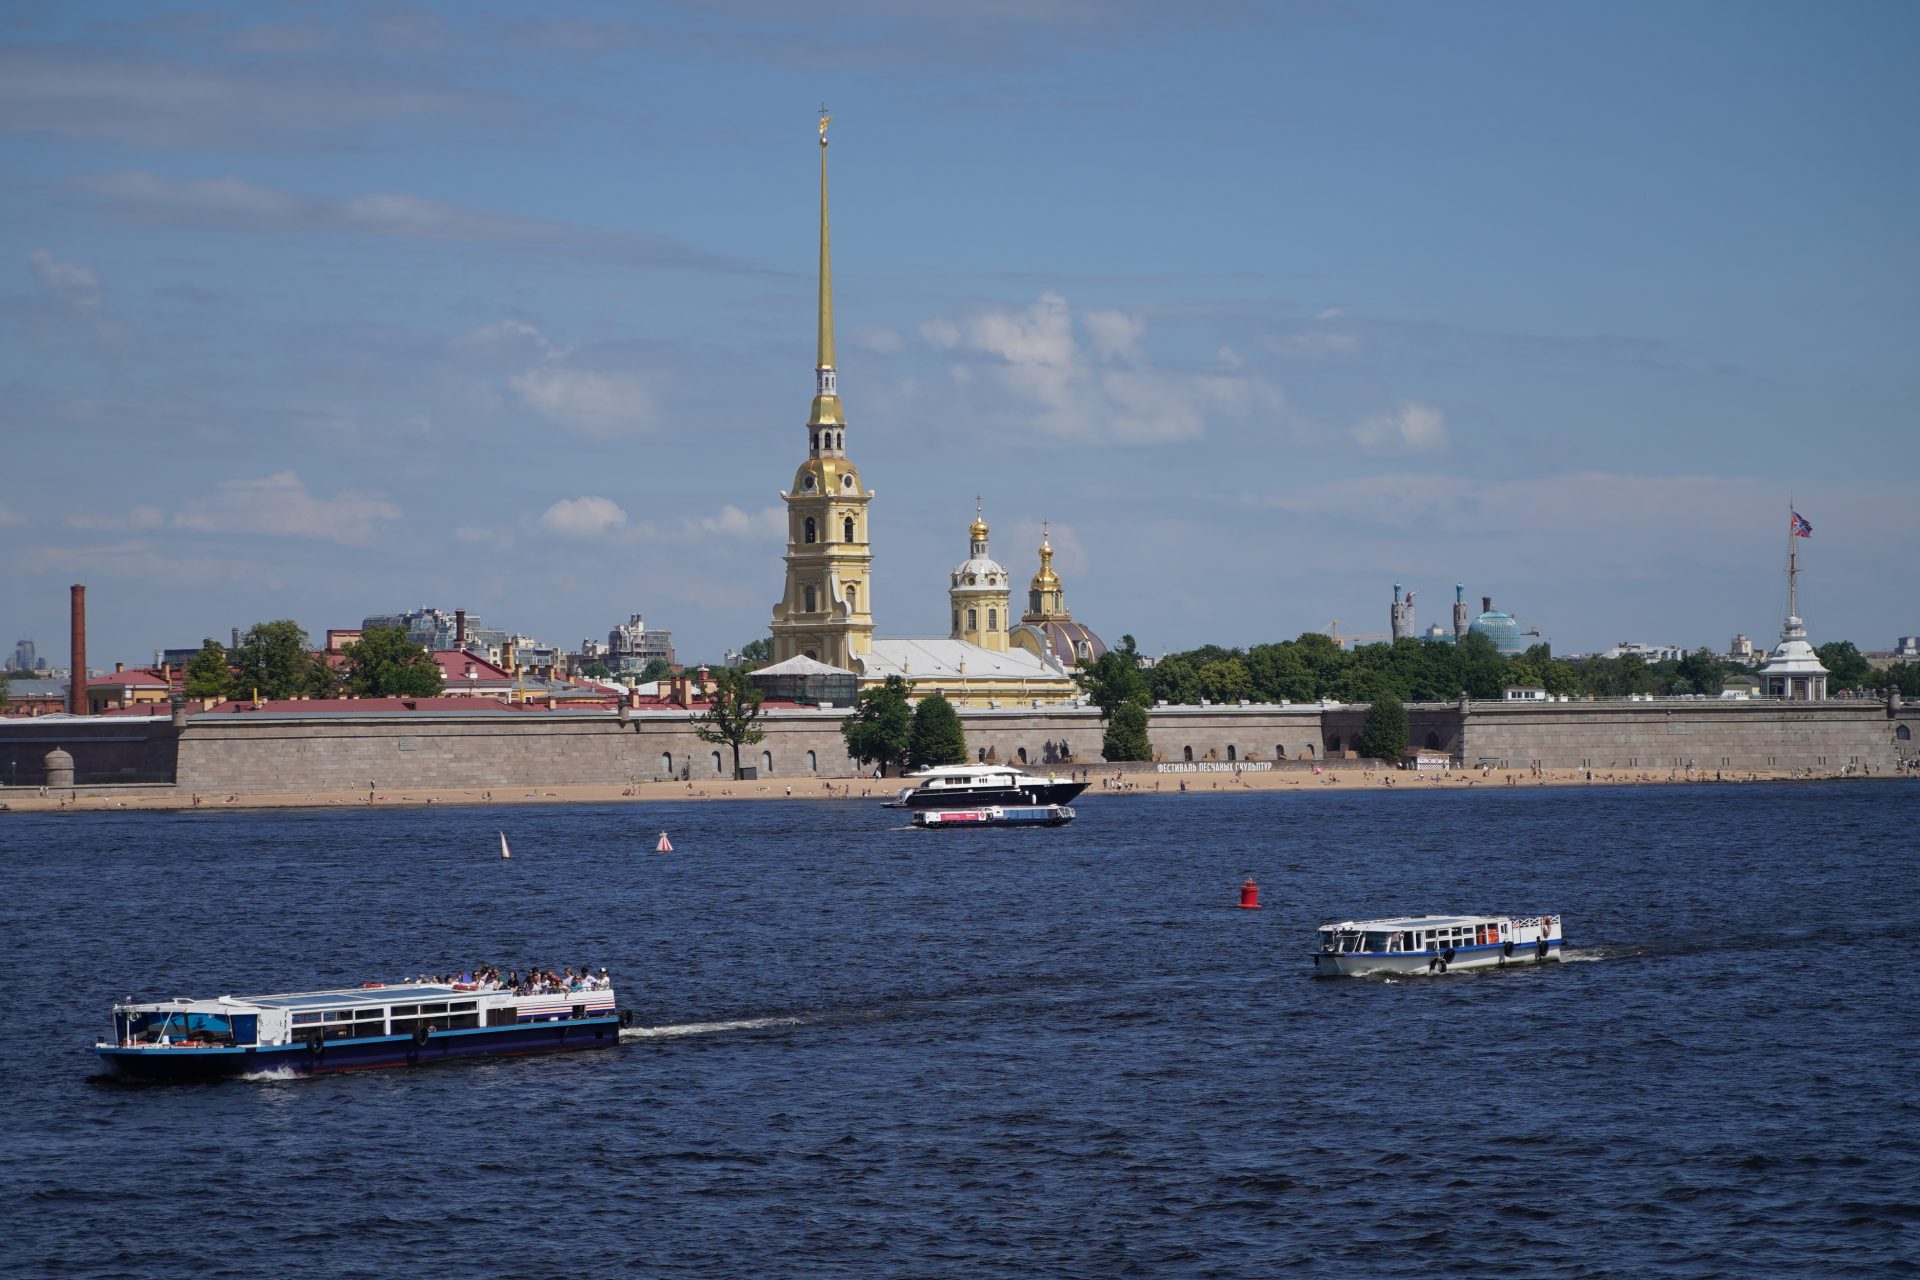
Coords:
pixel 827 612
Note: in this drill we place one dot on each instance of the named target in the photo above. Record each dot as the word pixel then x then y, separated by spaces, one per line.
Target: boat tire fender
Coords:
pixel 420 1034
pixel 1446 957
pixel 316 1043
pixel 1541 948
pixel 626 1017
pixel 1506 948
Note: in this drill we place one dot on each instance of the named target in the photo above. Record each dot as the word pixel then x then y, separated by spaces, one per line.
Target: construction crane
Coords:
pixel 1363 637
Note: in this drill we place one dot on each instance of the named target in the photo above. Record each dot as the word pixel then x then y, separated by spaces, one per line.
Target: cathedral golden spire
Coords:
pixel 826 398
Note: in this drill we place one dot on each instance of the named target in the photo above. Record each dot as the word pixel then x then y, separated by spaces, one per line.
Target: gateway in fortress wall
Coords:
pixel 287 753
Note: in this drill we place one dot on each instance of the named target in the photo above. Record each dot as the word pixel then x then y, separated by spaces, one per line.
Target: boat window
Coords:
pixel 176 1025
pixel 1376 941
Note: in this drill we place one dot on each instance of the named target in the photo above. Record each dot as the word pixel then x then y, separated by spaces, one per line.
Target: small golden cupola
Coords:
pixel 981 593
pixel 1045 598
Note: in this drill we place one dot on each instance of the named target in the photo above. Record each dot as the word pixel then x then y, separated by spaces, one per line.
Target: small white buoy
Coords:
pixel 665 845
pixel 504 851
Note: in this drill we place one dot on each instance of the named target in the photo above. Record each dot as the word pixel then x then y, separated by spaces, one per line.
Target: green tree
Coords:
pixel 937 736
pixel 1384 735
pixel 383 663
pixel 1126 737
pixel 755 654
pixel 1904 676
pixel 597 670
pixel 1114 679
pixel 1175 680
pixel 1846 669
pixel 1279 674
pixel 206 672
pixel 733 712
pixel 1702 673
pixel 656 669
pixel 880 730
pixel 272 661
pixel 1224 680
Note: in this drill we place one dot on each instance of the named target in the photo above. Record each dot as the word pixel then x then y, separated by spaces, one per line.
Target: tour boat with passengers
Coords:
pixel 980 786
pixel 374 1025
pixel 1435 944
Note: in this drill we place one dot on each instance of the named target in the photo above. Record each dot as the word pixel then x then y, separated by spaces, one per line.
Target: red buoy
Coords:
pixel 1250 895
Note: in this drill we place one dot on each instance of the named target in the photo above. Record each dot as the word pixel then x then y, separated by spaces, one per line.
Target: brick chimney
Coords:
pixel 460 629
pixel 77 682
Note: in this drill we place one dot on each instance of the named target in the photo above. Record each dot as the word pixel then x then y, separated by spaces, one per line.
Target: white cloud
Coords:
pixel 600 405
pixel 141 517
pixel 585 518
pixel 1107 390
pixel 234 204
pixel 482 535
pixel 732 522
pixel 1412 427
pixel 280 505
pixel 76 285
pixel 1115 334
pixel 878 339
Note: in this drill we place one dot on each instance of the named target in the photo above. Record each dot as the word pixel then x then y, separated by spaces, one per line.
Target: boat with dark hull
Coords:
pixel 310 1032
pixel 981 786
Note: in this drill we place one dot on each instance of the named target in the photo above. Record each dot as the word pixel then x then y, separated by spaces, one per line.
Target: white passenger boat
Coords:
pixel 374 1025
pixel 978 786
pixel 1435 944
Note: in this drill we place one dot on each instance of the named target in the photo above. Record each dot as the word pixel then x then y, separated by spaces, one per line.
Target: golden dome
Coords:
pixel 1046 579
pixel 829 475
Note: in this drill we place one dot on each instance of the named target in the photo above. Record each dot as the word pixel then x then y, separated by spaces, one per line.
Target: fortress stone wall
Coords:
pixel 264 753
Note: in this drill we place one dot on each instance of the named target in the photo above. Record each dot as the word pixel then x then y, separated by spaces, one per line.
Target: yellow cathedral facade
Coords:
pixel 988 658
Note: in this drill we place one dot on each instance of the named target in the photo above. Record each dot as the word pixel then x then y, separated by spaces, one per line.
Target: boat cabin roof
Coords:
pixel 343 998
pixel 1392 923
pixel 963 770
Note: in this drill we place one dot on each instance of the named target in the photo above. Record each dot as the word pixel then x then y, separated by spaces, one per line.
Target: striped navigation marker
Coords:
pixel 664 845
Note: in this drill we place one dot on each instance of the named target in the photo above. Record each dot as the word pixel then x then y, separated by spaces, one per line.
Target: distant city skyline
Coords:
pixel 323 312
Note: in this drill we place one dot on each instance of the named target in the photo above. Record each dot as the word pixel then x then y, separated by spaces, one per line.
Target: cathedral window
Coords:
pixel 840 440
pixel 810 529
pixel 848 525
pixel 993 619
pixel 973 619
pixel 812 599
pixel 956 622
pixel 851 606
pixel 816 442
pixel 1033 601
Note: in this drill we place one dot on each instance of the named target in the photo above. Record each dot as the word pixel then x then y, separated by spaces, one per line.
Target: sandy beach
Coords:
pixel 1115 786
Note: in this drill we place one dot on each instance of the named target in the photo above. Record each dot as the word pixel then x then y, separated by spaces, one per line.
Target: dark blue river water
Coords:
pixel 882 1052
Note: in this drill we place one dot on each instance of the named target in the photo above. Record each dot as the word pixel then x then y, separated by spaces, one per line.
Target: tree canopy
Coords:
pixel 733 712
pixel 207 675
pixel 273 661
pixel 383 663
pixel 937 736
pixel 1126 736
pixel 755 654
pixel 1384 735
pixel 1313 667
pixel 880 730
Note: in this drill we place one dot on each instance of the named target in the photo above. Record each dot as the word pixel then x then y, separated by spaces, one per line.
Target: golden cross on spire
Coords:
pixel 825 120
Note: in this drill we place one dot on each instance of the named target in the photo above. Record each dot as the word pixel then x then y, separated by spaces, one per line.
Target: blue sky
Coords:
pixel 315 311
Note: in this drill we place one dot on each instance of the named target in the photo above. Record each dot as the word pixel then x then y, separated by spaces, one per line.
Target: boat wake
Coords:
pixel 277 1073
pixel 630 1034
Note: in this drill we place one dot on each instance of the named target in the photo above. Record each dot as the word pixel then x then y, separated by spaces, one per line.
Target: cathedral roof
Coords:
pixel 923 657
pixel 1065 639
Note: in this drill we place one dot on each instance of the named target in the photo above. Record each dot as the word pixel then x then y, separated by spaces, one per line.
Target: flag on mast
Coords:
pixel 1801 529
